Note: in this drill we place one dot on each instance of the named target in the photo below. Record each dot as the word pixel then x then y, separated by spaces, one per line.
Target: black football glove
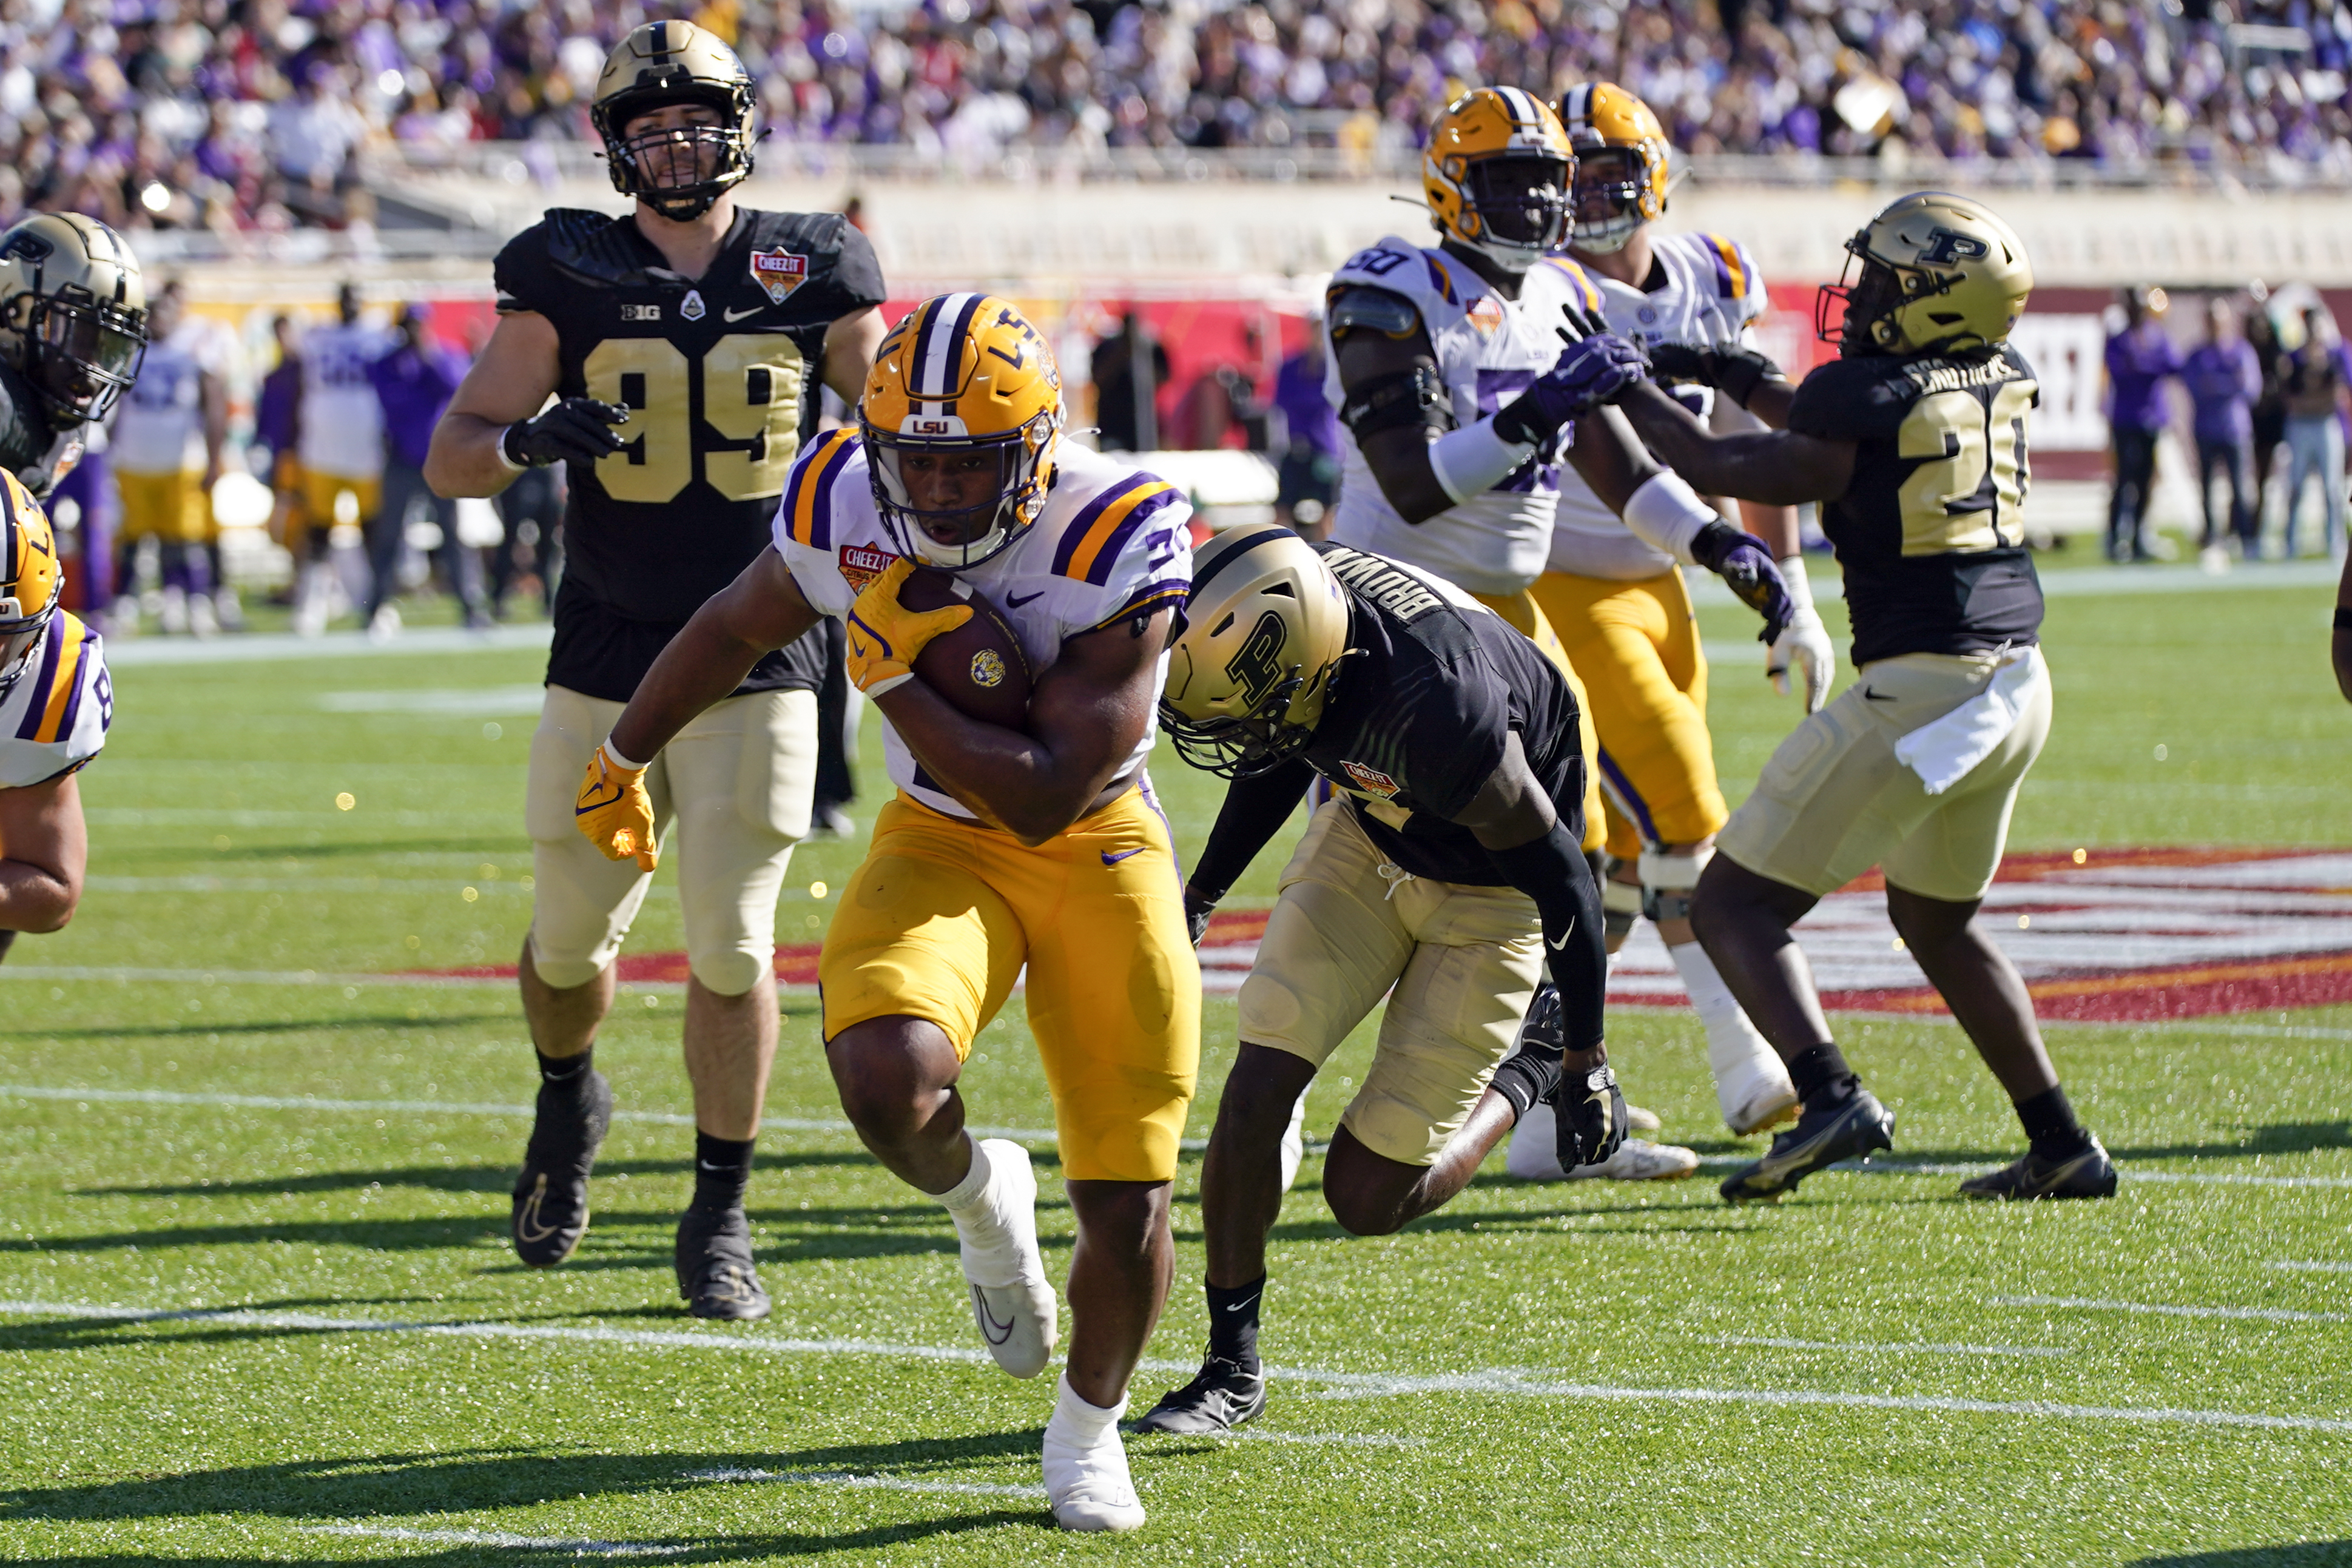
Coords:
pixel 574 431
pixel 1531 1073
pixel 1588 1117
pixel 1197 911
pixel 1734 371
pixel 1748 568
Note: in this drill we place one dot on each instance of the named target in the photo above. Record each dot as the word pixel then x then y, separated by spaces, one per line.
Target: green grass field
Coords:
pixel 257 1303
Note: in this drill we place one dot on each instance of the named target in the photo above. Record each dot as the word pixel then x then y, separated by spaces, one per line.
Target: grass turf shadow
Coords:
pixel 2296 1554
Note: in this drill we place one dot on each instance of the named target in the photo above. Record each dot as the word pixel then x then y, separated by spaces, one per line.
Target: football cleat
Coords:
pixel 1637 1120
pixel 1087 1478
pixel 1011 1301
pixel 551 1196
pixel 1226 1394
pixel 1637 1159
pixel 2090 1173
pixel 1850 1127
pixel 715 1276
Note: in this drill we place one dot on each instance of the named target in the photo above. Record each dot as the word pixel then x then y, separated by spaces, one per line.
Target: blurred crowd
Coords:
pixel 259 114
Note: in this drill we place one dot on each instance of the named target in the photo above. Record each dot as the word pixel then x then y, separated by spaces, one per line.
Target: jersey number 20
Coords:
pixel 1976 475
pixel 751 393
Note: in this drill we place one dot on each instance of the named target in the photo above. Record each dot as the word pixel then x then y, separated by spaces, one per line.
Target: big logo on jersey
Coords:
pixel 779 272
pixel 1372 780
pixel 861 564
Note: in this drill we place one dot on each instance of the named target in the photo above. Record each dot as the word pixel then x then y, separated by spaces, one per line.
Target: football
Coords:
pixel 979 667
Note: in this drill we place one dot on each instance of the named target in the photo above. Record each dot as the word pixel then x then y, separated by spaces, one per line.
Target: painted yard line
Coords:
pixel 262 977
pixel 576 1546
pixel 2314 1268
pixel 266 646
pixel 2071 582
pixel 2159 1309
pixel 878 1483
pixel 1895 1349
pixel 2200 1025
pixel 1510 1382
pixel 448 888
pixel 1900 1167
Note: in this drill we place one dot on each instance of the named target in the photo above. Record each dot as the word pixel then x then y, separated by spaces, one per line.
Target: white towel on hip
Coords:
pixel 1943 752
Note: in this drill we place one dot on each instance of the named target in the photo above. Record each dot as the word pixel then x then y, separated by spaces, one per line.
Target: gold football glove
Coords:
pixel 614 811
pixel 885 635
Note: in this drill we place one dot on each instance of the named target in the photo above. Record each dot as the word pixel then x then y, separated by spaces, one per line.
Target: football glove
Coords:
pixel 1803 643
pixel 885 635
pixel 1747 569
pixel 1531 1073
pixel 576 430
pixel 1589 372
pixel 614 811
pixel 1733 370
pixel 1197 911
pixel 1590 1118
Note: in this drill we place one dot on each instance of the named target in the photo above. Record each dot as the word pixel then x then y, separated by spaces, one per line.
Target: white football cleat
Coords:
pixel 1011 1301
pixel 1640 1121
pixel 1085 1467
pixel 1751 1085
pixel 1637 1159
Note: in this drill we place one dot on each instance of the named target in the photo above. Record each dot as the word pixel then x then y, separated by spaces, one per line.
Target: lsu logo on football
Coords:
pixel 861 564
pixel 779 272
pixel 987 668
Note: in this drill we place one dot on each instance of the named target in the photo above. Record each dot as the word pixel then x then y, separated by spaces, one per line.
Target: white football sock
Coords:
pixel 1086 1477
pixel 1742 1060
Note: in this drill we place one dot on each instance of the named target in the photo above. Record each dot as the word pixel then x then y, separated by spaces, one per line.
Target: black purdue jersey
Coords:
pixel 30 448
pixel 1433 685
pixel 1930 531
pixel 720 376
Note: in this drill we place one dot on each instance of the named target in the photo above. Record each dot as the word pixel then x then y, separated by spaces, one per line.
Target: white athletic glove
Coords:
pixel 1803 642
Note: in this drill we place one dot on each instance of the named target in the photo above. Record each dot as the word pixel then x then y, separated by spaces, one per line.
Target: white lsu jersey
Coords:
pixel 1489 349
pixel 342 422
pixel 158 426
pixel 1712 293
pixel 53 717
pixel 1111 543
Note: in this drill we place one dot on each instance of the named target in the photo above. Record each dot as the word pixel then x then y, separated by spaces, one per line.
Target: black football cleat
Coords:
pixel 1226 1395
pixel 1841 1131
pixel 2090 1173
pixel 550 1196
pixel 715 1276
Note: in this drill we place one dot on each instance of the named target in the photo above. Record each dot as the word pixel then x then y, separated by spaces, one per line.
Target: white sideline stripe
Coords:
pixel 1515 1382
pixel 263 977
pixel 577 1546
pixel 878 1483
pixel 2315 1268
pixel 1895 1349
pixel 2160 1309
pixel 1901 1167
pixel 262 646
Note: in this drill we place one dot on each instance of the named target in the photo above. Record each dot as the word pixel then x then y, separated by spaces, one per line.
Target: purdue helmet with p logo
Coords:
pixel 1497 173
pixel 73 313
pixel 31 577
pixel 961 417
pixel 680 170
pixel 1622 164
pixel 1932 273
pixel 1265 630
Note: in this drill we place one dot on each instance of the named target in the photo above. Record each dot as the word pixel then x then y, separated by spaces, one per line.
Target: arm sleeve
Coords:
pixel 1255 811
pixel 1551 870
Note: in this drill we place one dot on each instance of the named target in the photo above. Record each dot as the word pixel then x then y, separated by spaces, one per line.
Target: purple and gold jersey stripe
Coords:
pixel 1731 271
pixel 1147 598
pixel 808 494
pixel 1588 293
pixel 58 685
pixel 1091 545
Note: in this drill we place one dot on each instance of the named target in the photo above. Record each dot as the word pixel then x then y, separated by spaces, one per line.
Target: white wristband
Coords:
pixel 505 461
pixel 1666 514
pixel 1792 572
pixel 1474 460
pixel 617 760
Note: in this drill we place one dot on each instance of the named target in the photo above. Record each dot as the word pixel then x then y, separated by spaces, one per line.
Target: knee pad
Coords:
pixel 1621 902
pixel 729 972
pixel 564 972
pixel 1669 882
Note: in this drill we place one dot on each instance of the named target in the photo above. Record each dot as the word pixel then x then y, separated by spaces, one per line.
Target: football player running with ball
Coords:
pixel 1914 443
pixel 683 344
pixel 1003 847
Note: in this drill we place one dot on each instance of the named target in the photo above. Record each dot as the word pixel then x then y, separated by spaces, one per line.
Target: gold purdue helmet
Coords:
pixel 1498 175
pixel 31 577
pixel 1622 164
pixel 658 65
pixel 73 313
pixel 961 386
pixel 1933 273
pixel 1265 629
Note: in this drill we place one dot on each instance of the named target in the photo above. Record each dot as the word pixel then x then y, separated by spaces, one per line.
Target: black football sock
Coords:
pixel 566 1071
pixel 1232 1322
pixel 1820 1075
pixel 723 1171
pixel 2050 1123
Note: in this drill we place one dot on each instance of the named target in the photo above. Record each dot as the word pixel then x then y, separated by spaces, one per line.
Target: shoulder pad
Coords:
pixel 589 246
pixel 1359 305
pixel 817 233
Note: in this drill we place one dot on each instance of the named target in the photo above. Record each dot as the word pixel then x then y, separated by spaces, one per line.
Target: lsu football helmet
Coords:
pixel 1931 273
pixel 1265 629
pixel 659 64
pixel 31 577
pixel 73 313
pixel 1498 175
pixel 961 418
pixel 1622 164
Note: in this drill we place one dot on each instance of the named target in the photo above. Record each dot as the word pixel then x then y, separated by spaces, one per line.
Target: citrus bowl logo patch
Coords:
pixel 1372 780
pixel 861 564
pixel 779 272
pixel 987 668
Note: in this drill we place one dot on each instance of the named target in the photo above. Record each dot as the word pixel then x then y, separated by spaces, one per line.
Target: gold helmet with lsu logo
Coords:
pixel 1931 273
pixel 73 313
pixel 31 577
pixel 658 65
pixel 1622 164
pixel 1497 173
pixel 1265 631
pixel 962 419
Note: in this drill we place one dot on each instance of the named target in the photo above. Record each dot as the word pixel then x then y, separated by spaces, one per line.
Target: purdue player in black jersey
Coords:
pixel 684 344
pixel 1445 874
pixel 73 328
pixel 1913 441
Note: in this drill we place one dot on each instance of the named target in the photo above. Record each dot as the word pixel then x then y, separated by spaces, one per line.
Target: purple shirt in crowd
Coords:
pixel 414 385
pixel 2138 360
pixel 2224 379
pixel 1298 392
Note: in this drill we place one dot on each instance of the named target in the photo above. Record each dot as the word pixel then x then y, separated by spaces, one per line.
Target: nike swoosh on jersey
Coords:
pixel 1109 858
pixel 1876 696
pixel 738 315
pixel 1015 601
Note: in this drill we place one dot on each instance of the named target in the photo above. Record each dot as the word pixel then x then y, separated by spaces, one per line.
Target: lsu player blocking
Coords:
pixel 1003 847
pixel 56 702
pixel 1913 441
pixel 73 330
pixel 1619 603
pixel 682 346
